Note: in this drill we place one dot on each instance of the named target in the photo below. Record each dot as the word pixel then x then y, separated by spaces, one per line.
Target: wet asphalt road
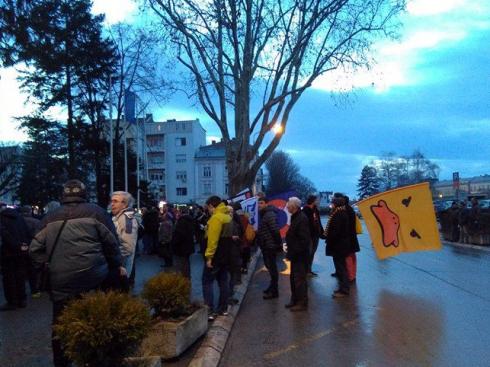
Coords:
pixel 418 309
pixel 25 335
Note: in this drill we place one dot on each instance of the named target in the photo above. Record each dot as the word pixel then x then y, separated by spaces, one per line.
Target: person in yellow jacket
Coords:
pixel 219 233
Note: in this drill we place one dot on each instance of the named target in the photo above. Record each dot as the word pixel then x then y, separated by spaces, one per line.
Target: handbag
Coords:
pixel 45 283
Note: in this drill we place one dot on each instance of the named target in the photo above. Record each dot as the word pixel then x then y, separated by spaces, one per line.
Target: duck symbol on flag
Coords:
pixel 389 222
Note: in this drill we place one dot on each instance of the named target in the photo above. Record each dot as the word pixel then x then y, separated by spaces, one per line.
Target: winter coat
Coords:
pixel 352 228
pixel 183 237
pixel 127 231
pixel 14 233
pixel 215 225
pixel 338 233
pixel 313 215
pixel 268 235
pixel 298 237
pixel 87 248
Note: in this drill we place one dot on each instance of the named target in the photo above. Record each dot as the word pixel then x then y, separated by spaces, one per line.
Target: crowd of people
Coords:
pixel 463 220
pixel 77 247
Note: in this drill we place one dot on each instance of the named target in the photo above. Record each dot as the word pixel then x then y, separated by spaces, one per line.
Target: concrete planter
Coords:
pixel 169 339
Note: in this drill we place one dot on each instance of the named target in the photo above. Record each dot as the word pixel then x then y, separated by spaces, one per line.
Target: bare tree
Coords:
pixel 139 69
pixel 276 49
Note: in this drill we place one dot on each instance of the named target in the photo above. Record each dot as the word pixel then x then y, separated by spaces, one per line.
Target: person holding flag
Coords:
pixel 338 243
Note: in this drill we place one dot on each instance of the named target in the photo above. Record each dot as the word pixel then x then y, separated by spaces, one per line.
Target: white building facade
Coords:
pixel 171 148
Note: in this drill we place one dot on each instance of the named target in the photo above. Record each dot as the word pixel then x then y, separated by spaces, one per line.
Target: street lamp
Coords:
pixel 277 129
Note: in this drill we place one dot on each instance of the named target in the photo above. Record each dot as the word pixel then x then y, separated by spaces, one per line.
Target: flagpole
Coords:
pixel 111 137
pixel 125 147
pixel 137 164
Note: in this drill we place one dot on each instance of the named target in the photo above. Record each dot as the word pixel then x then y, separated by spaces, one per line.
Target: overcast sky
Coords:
pixel 430 91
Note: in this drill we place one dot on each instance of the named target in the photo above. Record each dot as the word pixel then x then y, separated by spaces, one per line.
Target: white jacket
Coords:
pixel 127 232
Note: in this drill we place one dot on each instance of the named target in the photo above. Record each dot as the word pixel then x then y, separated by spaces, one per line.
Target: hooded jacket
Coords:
pixel 86 249
pixel 268 235
pixel 215 225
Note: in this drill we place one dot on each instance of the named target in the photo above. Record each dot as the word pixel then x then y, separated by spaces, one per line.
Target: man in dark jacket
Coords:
pixel 316 229
pixel 351 259
pixel 339 242
pixel 298 243
pixel 86 252
pixel 269 241
pixel 14 256
pixel 183 242
pixel 34 225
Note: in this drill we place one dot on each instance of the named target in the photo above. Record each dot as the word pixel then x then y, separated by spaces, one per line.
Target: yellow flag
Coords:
pixel 401 220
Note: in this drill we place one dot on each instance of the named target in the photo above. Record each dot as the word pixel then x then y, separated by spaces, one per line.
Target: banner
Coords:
pixel 283 217
pixel 130 106
pixel 401 220
pixel 242 195
pixel 251 207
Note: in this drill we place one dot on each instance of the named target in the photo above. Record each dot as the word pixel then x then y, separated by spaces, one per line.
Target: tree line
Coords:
pixel 391 171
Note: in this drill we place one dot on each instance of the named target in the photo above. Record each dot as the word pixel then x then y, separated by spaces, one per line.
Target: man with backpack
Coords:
pixel 217 256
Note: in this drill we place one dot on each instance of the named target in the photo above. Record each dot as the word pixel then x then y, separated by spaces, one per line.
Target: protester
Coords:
pixel 298 244
pixel 247 237
pixel 34 225
pixel 339 245
pixel 235 256
pixel 150 231
pixel 14 248
pixel 183 241
pixel 126 226
pixel 165 234
pixel 316 229
pixel 219 236
pixel 80 243
pixel 202 217
pixel 269 241
pixel 464 221
pixel 351 259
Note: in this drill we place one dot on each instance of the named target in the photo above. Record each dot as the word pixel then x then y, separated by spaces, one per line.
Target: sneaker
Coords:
pixel 270 295
pixel 298 308
pixel 224 313
pixel 36 295
pixel 340 294
pixel 244 270
pixel 212 316
pixel 289 305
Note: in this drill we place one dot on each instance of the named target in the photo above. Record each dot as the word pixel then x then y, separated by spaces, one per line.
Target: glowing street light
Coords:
pixel 277 129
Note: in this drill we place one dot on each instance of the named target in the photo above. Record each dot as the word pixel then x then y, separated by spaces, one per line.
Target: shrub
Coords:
pixel 168 295
pixel 101 329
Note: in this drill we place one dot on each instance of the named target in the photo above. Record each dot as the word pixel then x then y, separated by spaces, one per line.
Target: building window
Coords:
pixel 156 157
pixel 181 191
pixel 182 176
pixel 207 171
pixel 156 175
pixel 180 158
pixel 206 188
pixel 155 140
pixel 226 188
pixel 180 142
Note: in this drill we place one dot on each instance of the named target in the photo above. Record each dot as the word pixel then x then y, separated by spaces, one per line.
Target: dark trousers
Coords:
pixel 34 277
pixel 183 265
pixel 14 279
pixel 59 358
pixel 314 246
pixel 299 285
pixel 270 264
pixel 245 255
pixel 341 270
pixel 209 275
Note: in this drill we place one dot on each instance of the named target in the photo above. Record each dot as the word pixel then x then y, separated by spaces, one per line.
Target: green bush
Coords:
pixel 168 295
pixel 101 329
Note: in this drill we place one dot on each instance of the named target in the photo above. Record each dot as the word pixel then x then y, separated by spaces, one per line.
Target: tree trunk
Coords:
pixel 69 126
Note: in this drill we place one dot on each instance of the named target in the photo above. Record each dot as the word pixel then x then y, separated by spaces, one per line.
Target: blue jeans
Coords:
pixel 209 275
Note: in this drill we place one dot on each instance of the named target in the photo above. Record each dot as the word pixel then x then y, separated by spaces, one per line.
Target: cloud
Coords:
pixel 431 7
pixel 115 10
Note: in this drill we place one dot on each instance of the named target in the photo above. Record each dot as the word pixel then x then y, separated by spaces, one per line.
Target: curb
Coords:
pixel 466 245
pixel 213 345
